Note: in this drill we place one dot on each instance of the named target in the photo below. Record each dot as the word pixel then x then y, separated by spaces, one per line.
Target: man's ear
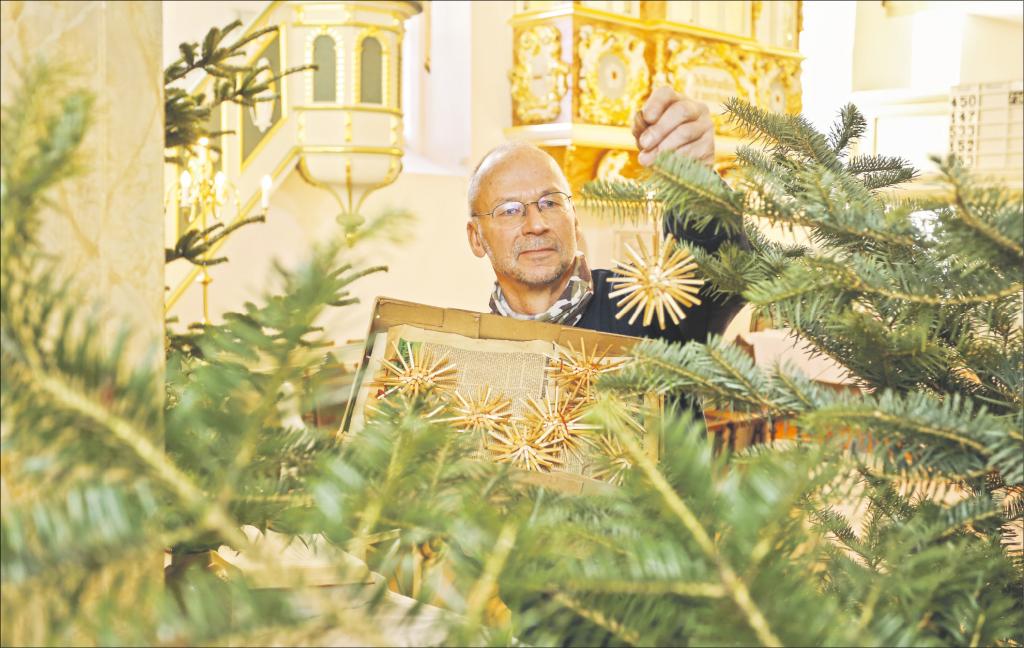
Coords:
pixel 475 243
pixel 581 243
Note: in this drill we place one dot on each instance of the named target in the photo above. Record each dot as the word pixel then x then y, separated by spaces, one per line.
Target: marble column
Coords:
pixel 106 225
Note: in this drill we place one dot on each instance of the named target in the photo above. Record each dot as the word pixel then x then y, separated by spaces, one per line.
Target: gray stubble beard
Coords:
pixel 516 273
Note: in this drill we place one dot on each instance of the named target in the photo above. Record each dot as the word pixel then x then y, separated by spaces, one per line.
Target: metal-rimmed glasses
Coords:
pixel 512 214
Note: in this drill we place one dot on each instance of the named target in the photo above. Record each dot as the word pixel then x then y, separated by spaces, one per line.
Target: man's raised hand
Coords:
pixel 670 122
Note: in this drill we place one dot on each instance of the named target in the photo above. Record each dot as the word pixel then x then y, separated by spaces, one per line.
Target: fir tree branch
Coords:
pixel 968 513
pixel 126 433
pixel 622 202
pixel 744 382
pixel 850 126
pixel 648 588
pixel 875 164
pixel 882 179
pixel 193 244
pixel 696 193
pixel 185 112
pixel 697 378
pixel 976 635
pixel 968 218
pixel 856 284
pixel 790 132
pixel 852 415
pixel 734 586
pixel 599 619
pixel 822 187
pixel 486 586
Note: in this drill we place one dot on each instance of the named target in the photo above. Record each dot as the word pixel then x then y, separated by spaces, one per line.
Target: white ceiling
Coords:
pixel 1012 10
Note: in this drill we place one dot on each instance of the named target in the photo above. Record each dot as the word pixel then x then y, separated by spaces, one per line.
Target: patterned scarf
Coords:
pixel 567 309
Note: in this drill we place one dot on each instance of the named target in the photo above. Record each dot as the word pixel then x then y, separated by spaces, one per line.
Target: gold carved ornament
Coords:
pixel 765 80
pixel 539 77
pixel 689 55
pixel 612 165
pixel 613 76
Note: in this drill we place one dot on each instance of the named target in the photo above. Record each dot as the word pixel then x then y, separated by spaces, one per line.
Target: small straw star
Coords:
pixel 617 460
pixel 419 374
pixel 561 420
pixel 487 411
pixel 576 371
pixel 529 449
pixel 656 282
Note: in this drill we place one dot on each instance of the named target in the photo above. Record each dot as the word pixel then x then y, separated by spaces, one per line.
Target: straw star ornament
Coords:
pixel 616 460
pixel 530 449
pixel 561 421
pixel 399 404
pixel 656 282
pixel 419 373
pixel 577 371
pixel 488 410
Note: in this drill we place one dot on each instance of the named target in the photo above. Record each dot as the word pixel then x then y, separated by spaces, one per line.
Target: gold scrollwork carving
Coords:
pixel 778 84
pixel 711 72
pixel 539 77
pixel 613 75
pixel 611 166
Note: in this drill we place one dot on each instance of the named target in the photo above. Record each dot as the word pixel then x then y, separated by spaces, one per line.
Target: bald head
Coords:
pixel 499 160
pixel 534 253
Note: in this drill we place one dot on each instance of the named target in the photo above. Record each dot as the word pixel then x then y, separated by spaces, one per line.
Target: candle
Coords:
pixel 185 181
pixel 218 184
pixel 265 192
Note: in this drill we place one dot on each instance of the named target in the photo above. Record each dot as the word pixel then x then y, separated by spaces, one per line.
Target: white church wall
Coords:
pixel 463 107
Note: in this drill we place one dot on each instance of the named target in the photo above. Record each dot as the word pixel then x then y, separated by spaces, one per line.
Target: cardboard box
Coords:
pixel 388 313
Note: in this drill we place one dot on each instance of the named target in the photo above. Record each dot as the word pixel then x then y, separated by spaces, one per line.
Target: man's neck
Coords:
pixel 533 300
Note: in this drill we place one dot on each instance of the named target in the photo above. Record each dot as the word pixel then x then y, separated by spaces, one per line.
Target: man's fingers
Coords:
pixel 668 122
pixel 657 103
pixel 683 134
pixel 678 113
pixel 702 149
pixel 639 125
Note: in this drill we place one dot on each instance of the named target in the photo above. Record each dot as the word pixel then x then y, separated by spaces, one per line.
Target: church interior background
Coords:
pixel 407 97
pixel 454 79
pixel 465 77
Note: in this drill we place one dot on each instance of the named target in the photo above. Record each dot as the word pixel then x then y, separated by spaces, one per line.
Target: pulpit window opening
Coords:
pixel 325 77
pixel 371 72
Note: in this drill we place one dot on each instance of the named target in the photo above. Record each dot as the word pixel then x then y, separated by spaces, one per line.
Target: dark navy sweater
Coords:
pixel 712 315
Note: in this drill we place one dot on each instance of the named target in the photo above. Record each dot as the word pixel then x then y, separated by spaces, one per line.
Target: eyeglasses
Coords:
pixel 512 214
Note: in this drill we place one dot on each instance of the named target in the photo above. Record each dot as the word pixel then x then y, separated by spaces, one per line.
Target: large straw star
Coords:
pixel 656 282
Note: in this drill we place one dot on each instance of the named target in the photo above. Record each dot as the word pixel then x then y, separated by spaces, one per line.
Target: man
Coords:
pixel 523 220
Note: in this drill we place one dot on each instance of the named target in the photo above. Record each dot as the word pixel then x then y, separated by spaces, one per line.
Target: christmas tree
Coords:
pixel 920 301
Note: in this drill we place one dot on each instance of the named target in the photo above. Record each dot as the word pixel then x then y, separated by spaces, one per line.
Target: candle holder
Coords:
pixel 203 201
